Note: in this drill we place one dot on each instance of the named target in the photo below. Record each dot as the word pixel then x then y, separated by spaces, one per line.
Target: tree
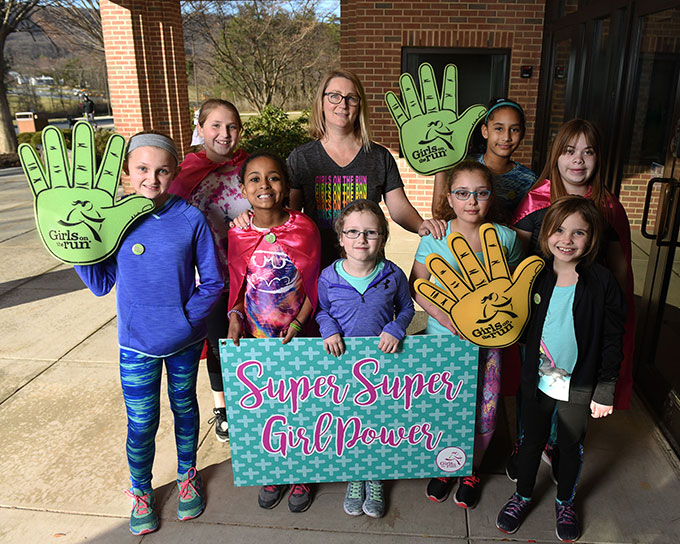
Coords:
pixel 14 15
pixel 268 52
pixel 78 22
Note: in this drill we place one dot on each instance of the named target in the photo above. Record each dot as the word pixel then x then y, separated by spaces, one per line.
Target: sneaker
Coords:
pixel 191 502
pixel 468 491
pixel 299 498
pixel 221 425
pixel 551 456
pixel 566 528
pixel 374 504
pixel 270 495
pixel 511 467
pixel 354 498
pixel 143 520
pixel 438 489
pixel 512 514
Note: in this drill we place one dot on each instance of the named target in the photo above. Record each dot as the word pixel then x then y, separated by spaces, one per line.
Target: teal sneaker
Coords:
pixel 354 498
pixel 374 504
pixel 191 503
pixel 143 520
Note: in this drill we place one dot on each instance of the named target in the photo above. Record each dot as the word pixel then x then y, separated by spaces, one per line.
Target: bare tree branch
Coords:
pixel 262 49
pixel 13 13
pixel 78 22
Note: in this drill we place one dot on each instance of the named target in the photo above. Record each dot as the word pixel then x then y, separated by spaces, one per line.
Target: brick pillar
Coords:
pixel 146 67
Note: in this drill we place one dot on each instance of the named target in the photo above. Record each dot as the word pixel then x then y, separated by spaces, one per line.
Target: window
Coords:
pixel 483 74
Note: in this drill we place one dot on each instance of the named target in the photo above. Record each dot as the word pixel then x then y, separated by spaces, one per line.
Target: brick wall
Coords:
pixel 373 33
pixel 146 67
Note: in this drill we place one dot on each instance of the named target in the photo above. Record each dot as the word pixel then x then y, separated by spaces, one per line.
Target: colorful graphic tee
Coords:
pixel 327 187
pixel 219 197
pixel 274 290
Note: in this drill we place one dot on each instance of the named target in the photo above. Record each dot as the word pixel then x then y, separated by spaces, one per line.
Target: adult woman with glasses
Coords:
pixel 342 164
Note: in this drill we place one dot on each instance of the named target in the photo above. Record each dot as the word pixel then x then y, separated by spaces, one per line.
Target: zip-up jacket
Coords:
pixel 385 306
pixel 160 308
pixel 599 314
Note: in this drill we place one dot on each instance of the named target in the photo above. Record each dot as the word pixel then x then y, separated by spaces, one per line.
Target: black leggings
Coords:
pixel 572 421
pixel 218 327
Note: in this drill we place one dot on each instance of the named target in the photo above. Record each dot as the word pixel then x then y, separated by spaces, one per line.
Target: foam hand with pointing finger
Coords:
pixel 486 305
pixel 433 137
pixel 76 212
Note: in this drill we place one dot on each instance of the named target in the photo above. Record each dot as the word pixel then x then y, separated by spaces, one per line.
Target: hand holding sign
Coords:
pixel 78 218
pixel 487 307
pixel 432 136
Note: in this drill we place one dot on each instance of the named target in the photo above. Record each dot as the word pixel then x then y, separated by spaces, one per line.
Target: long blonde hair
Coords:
pixel 317 121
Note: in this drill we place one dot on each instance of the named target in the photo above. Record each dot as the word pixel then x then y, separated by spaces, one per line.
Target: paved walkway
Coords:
pixel 63 469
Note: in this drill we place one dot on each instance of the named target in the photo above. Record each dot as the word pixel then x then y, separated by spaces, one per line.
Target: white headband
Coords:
pixel 153 140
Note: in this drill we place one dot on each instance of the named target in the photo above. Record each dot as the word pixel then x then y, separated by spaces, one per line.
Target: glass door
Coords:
pixel 654 152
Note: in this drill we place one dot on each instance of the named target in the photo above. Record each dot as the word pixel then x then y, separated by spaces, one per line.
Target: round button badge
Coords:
pixel 537 298
pixel 271 237
pixel 138 249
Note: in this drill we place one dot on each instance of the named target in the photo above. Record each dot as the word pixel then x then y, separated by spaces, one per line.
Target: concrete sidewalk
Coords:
pixel 63 467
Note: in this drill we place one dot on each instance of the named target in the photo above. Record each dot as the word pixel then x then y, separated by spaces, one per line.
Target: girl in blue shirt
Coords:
pixel 467 203
pixel 161 319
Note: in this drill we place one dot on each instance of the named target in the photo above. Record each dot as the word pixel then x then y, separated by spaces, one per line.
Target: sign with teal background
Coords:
pixel 299 415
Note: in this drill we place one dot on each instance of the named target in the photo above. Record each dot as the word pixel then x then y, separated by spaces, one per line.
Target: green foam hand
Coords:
pixel 76 212
pixel 432 136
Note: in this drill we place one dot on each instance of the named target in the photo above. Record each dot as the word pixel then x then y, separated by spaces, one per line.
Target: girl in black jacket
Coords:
pixel 573 355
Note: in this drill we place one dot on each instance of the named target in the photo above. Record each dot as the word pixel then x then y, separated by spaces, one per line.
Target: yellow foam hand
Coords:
pixel 487 306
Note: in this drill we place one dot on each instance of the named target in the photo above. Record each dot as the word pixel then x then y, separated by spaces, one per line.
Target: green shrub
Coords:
pixel 274 131
pixel 24 137
pixel 36 139
pixel 67 132
pixel 101 137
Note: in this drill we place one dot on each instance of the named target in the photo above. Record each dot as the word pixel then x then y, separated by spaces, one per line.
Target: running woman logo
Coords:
pixel 76 212
pixel 432 134
pixel 487 305
pixel 451 459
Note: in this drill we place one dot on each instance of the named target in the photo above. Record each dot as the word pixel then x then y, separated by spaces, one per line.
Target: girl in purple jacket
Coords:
pixel 363 294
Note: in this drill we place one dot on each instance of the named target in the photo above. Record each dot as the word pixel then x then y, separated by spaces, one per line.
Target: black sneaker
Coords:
pixel 551 456
pixel 566 528
pixel 299 498
pixel 511 467
pixel 221 425
pixel 468 491
pixel 270 495
pixel 438 489
pixel 512 514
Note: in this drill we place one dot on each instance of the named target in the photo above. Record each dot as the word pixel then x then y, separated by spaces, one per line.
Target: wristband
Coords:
pixel 234 311
pixel 294 325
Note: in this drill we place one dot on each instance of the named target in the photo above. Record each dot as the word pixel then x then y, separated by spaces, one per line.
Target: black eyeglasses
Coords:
pixel 353 234
pixel 337 98
pixel 464 194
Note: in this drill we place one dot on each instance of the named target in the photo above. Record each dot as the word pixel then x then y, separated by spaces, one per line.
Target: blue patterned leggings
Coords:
pixel 140 377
